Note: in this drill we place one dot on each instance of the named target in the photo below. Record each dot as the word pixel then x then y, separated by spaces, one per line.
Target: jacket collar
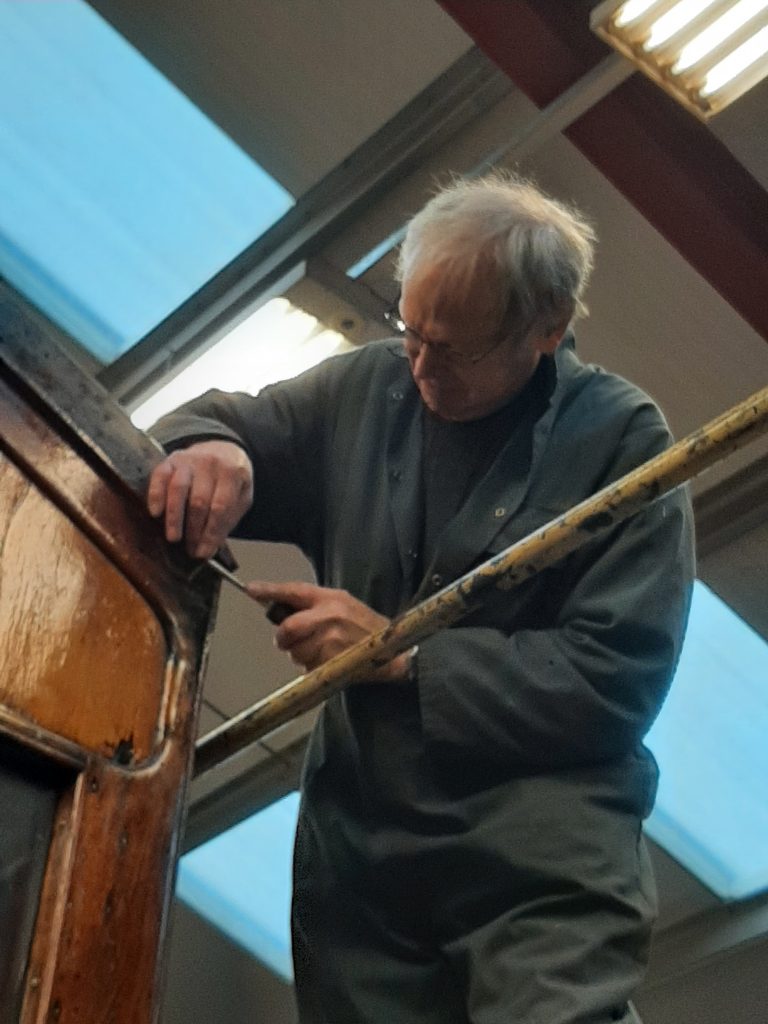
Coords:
pixel 496 498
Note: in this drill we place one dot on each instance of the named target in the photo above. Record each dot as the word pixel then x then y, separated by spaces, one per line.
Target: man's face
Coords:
pixel 463 361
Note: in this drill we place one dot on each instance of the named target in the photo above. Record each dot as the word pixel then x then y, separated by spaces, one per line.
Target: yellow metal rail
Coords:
pixel 683 461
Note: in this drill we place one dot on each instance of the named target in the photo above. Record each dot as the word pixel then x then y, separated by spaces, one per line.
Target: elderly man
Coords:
pixel 469 844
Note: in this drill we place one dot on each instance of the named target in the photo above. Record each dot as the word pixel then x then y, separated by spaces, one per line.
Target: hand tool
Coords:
pixel 276 611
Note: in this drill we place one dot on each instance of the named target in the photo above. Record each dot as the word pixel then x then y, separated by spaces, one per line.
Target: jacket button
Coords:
pixel 499 512
pixel 397 395
pixel 396 474
pixel 437 580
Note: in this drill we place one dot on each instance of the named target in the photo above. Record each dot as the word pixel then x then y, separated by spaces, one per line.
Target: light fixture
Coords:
pixel 276 342
pixel 704 53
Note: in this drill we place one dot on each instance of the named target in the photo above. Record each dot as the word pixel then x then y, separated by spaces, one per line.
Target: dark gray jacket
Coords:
pixel 559 679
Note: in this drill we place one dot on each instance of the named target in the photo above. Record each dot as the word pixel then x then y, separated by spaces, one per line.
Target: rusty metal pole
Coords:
pixel 633 492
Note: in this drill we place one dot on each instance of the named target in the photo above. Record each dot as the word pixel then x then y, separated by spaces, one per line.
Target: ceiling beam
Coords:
pixel 671 167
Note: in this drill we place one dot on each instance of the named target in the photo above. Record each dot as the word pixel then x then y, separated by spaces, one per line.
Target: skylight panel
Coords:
pixel 120 198
pixel 241 882
pixel 372 257
pixel 711 741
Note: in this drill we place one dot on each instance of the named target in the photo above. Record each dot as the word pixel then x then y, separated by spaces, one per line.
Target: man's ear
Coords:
pixel 551 334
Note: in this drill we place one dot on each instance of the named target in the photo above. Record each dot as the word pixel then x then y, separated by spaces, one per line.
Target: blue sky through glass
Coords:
pixel 241 881
pixel 711 741
pixel 120 198
pixel 711 813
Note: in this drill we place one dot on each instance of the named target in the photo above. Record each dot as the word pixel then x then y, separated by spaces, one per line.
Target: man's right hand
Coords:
pixel 202 491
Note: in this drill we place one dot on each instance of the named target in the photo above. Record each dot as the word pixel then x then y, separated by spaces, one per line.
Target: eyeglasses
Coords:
pixel 413 342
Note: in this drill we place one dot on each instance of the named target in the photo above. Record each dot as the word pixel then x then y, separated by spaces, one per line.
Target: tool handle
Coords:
pixel 278 611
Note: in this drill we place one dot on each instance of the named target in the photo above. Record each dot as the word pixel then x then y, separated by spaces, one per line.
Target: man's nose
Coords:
pixel 423 363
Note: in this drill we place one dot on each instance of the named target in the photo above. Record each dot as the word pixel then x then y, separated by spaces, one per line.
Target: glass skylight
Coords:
pixel 241 882
pixel 711 813
pixel 120 198
pixel 711 741
pixel 368 259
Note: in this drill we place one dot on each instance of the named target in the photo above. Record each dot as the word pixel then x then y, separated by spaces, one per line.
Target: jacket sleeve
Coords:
pixel 586 686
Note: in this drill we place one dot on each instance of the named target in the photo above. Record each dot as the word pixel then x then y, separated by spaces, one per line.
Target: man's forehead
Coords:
pixel 448 287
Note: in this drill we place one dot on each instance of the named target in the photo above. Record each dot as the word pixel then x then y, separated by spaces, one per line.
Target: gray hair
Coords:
pixel 542 249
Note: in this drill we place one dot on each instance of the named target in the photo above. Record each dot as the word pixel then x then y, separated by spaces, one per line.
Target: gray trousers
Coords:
pixel 367 954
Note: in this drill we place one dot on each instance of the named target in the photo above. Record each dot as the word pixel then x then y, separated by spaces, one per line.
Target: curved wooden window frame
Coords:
pixel 96 949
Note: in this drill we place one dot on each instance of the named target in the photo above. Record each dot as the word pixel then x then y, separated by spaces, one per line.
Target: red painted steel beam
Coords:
pixel 683 180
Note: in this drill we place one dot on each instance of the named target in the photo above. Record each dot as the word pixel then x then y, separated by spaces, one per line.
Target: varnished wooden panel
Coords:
pixel 102 635
pixel 81 653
